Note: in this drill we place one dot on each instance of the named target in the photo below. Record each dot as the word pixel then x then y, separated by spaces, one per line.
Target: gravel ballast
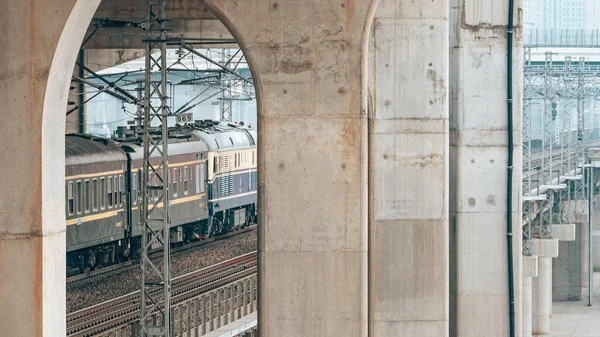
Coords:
pixel 105 289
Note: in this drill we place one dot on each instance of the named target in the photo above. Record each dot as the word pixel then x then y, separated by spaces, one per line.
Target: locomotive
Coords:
pixel 212 189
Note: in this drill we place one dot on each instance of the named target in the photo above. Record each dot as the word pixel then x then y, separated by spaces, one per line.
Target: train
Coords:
pixel 212 189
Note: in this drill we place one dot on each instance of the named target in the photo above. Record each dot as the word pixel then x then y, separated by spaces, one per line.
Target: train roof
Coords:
pixel 176 146
pixel 226 137
pixel 85 149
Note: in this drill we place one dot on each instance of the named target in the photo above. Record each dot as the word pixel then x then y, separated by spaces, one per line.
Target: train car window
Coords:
pixel 170 181
pixel 88 197
pixel 116 191
pixel 95 194
pixel 250 181
pixel 134 188
pixel 175 181
pixel 109 194
pixel 139 185
pixel 154 180
pixel 79 196
pixel 215 165
pixel 102 193
pixel 252 158
pixel 70 199
pixel 186 178
pixel 120 195
pixel 198 179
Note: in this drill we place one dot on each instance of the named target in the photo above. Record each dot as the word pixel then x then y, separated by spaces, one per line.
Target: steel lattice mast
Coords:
pixel 156 283
pixel 579 193
pixel 547 167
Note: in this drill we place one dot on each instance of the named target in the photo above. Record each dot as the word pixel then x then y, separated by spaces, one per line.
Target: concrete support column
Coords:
pixel 530 270
pixel 585 258
pixel 309 65
pixel 39 43
pixel 542 291
pixel 596 231
pixel 527 306
pixel 566 268
pixel 409 170
pixel 546 250
pixel 478 168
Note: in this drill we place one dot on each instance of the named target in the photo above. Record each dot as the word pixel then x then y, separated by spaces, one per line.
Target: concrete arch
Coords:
pixel 38 59
pixel 312 118
pixel 305 58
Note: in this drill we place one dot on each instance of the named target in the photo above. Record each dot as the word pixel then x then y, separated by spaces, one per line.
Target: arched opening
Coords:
pixel 310 71
pixel 212 178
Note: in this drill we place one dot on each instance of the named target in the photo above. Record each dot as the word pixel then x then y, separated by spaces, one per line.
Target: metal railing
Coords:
pixel 564 38
pixel 205 313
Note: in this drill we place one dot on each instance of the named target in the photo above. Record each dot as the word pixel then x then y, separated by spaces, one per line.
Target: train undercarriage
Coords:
pixel 104 255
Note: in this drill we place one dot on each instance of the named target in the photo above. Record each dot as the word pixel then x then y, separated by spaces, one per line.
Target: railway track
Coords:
pixel 558 154
pixel 109 271
pixel 125 309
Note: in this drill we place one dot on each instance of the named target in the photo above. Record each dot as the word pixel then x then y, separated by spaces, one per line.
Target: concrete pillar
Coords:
pixel 565 234
pixel 530 270
pixel 596 231
pixel 546 250
pixel 541 299
pixel 527 306
pixel 585 258
pixel 409 170
pixel 478 159
pixel 39 43
pixel 566 269
pixel 309 64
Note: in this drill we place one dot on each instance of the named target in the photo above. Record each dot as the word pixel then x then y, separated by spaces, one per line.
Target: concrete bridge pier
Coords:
pixel 530 271
pixel 309 64
pixel 478 166
pixel 546 250
pixel 37 55
pixel 408 161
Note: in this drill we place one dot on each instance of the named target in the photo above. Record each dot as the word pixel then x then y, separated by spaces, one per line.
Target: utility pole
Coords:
pixel 156 279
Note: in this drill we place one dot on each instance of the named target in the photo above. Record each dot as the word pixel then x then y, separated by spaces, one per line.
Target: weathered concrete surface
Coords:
pixel 563 232
pixel 408 269
pixel 545 247
pixel 530 270
pixel 187 18
pixel 478 160
pixel 132 38
pixel 542 289
pixel 308 60
pixel 37 62
pixel 585 258
pixel 566 270
pixel 546 250
pixel 596 232
pixel 527 306
pixel 137 10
